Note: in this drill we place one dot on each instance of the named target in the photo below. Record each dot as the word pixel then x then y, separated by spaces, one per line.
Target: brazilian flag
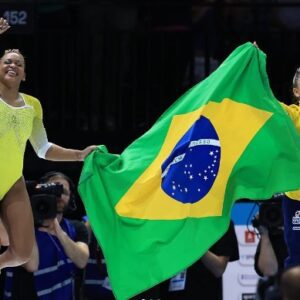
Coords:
pixel 166 199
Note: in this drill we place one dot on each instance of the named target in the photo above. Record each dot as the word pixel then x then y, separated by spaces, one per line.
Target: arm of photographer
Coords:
pixel 266 263
pixel 78 251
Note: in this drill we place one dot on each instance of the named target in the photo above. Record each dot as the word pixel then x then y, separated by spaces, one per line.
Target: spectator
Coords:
pixel 203 280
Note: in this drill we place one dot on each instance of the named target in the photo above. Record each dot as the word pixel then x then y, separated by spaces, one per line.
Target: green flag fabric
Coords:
pixel 166 199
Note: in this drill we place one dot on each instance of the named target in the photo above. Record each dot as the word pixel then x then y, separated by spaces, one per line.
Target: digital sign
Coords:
pixel 19 16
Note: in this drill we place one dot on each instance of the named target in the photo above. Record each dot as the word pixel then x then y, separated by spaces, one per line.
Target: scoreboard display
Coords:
pixel 19 16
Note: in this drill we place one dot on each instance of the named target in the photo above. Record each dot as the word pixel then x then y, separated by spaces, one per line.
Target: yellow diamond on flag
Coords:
pixel 147 200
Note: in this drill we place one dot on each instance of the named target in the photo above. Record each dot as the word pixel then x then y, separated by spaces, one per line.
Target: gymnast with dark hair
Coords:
pixel 21 119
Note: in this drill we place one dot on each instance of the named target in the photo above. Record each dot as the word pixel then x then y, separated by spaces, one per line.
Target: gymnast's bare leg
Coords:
pixel 16 215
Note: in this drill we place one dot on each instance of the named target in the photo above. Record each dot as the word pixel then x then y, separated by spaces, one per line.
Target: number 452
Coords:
pixel 16 17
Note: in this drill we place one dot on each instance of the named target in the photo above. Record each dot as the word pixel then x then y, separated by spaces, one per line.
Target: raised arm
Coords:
pixel 4 26
pixel 77 251
pixel 267 263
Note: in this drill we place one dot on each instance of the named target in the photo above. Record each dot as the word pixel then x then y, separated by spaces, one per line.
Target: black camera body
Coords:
pixel 43 199
pixel 270 215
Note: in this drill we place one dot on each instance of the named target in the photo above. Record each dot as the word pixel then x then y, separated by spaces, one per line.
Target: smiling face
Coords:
pixel 12 68
pixel 296 85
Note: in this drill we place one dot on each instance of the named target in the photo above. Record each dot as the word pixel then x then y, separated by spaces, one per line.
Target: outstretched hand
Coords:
pixel 86 151
pixel 3 25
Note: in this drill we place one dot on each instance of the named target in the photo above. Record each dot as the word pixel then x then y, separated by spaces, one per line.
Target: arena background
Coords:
pixel 104 71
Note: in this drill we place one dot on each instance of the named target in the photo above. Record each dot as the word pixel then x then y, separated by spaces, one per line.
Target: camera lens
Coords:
pixel 44 206
pixel 271 214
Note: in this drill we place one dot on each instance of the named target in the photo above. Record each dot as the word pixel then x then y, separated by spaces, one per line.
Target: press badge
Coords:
pixel 177 283
pixel 106 283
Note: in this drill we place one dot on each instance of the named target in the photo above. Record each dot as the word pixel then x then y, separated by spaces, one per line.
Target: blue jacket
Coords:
pixel 96 282
pixel 291 211
pixel 54 278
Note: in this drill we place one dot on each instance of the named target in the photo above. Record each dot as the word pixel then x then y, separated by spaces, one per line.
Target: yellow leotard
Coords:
pixel 294 113
pixel 17 125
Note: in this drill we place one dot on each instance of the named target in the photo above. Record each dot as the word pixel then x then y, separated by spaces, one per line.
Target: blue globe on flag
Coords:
pixel 190 171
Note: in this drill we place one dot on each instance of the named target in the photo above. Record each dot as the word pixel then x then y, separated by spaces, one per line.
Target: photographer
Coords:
pixel 61 249
pixel 271 250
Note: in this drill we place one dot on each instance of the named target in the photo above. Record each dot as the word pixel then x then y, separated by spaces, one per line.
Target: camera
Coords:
pixel 270 214
pixel 43 199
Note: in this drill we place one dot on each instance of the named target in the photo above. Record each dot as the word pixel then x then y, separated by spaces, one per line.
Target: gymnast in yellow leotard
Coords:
pixel 21 120
pixel 293 111
pixel 18 124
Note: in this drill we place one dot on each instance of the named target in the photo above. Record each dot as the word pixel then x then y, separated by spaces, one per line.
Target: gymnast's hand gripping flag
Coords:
pixel 166 199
